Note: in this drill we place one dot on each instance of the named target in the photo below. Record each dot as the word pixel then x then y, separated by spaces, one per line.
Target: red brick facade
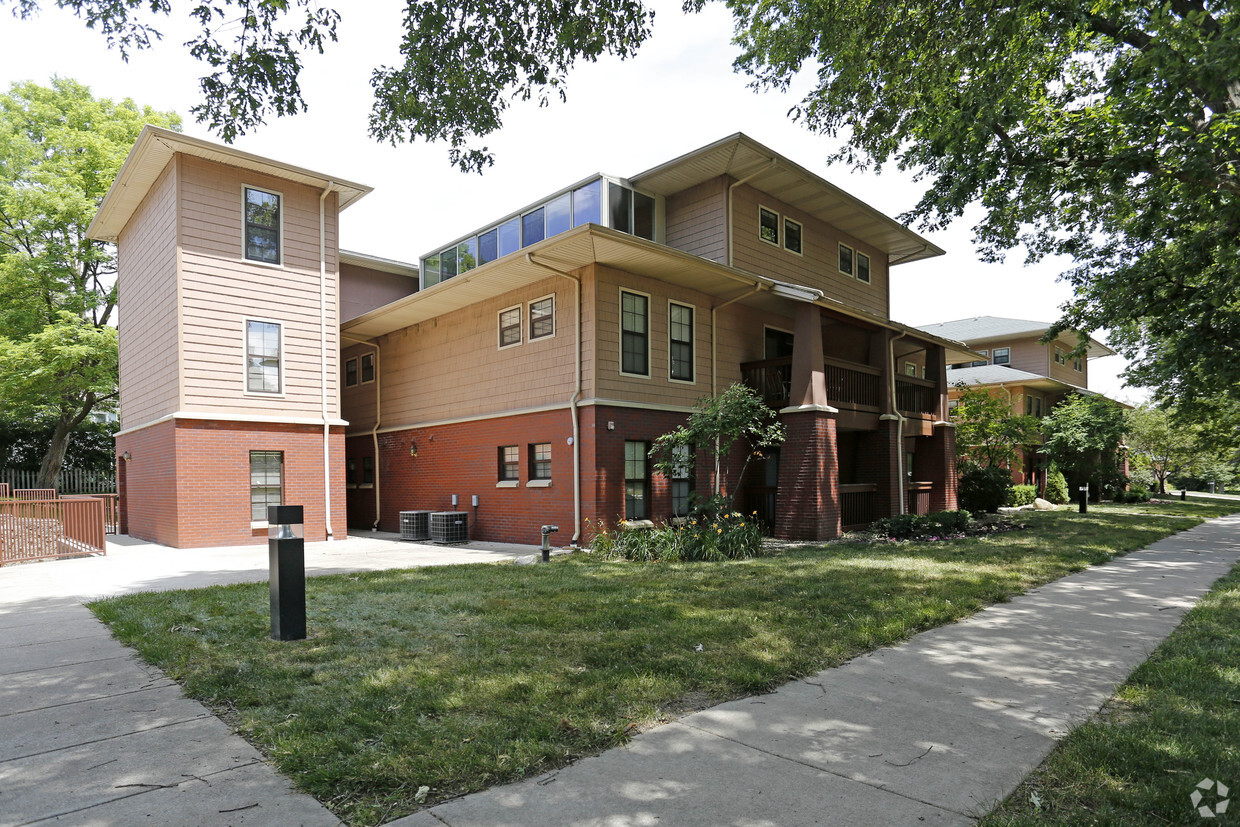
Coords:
pixel 187 482
pixel 809 478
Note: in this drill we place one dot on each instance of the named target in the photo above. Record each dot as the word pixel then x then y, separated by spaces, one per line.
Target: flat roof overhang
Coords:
pixel 592 244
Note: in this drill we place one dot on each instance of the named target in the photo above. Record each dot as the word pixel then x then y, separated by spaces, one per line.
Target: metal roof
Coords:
pixel 981 329
pixel 153 150
pixel 383 265
pixel 743 158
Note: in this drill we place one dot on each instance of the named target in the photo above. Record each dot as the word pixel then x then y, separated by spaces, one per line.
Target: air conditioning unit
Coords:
pixel 449 527
pixel 415 525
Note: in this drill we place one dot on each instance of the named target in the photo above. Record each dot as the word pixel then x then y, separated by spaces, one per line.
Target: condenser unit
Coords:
pixel 449 527
pixel 415 525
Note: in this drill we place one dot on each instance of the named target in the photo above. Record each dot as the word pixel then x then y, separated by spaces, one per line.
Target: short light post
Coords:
pixel 286 549
pixel 546 541
pixel 1183 493
pixel 1084 498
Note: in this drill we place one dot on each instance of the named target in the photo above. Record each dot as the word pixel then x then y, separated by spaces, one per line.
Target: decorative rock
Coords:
pixel 1043 505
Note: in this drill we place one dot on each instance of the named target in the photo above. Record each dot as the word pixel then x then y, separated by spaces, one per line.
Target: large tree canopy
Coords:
pixel 1106 130
pixel 60 149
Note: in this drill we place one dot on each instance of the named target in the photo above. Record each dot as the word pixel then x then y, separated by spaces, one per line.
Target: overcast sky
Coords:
pixel 621 118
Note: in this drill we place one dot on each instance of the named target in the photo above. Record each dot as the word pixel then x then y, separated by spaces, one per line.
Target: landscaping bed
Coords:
pixel 454 679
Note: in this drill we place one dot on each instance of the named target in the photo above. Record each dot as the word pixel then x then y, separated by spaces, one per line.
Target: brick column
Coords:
pixel 884 460
pixel 808 497
pixel 941 468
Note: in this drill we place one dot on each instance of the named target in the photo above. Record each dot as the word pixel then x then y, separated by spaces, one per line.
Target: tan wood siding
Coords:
pixel 220 289
pixel 363 289
pixel 1027 355
pixel 147 316
pixel 697 220
pixel 452 368
pixel 817 266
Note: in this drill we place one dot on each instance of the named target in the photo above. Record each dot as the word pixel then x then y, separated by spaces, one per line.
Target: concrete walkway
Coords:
pixel 930 732
pixel 90 735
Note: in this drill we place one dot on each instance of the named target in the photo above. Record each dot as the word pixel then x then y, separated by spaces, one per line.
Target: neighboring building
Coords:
pixel 1034 376
pixel 522 372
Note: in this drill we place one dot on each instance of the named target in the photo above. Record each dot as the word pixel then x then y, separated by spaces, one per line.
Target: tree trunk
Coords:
pixel 49 470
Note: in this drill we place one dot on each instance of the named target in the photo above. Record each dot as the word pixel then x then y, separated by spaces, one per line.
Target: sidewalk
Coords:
pixel 91 735
pixel 930 732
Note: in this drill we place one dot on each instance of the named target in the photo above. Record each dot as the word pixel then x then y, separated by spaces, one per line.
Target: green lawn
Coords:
pixel 1175 723
pixel 459 678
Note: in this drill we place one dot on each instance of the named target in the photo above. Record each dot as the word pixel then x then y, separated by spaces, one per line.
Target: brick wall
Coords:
pixel 809 479
pixel 188 483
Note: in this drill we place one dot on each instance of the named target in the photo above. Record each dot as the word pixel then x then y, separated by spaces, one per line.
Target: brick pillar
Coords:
pixel 122 501
pixel 884 460
pixel 808 497
pixel 941 467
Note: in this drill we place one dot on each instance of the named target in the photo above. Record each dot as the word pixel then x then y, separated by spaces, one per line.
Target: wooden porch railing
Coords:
pixel 111 509
pixel 771 378
pixel 857 505
pixel 47 529
pixel 916 395
pixel 919 497
pixel 848 383
pixel 5 492
pixel 34 493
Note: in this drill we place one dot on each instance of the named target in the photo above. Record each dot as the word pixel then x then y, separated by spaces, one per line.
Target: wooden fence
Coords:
pixel 47 529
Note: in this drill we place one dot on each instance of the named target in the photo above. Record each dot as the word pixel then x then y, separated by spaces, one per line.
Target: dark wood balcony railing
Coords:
pixel 857 505
pixel 916 395
pixel 847 383
pixel 918 498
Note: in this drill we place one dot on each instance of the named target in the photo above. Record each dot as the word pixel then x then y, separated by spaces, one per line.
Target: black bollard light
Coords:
pixel 286 548
pixel 546 541
pixel 1183 493
pixel 1085 498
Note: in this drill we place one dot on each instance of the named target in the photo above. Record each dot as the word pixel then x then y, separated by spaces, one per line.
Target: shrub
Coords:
pixel 729 536
pixel 1019 495
pixel 984 489
pixel 912 526
pixel 1133 495
pixel 1056 486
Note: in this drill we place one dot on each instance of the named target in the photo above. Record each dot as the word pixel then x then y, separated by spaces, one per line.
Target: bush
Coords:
pixel 1133 495
pixel 1056 486
pixel 984 489
pixel 912 526
pixel 727 537
pixel 1019 495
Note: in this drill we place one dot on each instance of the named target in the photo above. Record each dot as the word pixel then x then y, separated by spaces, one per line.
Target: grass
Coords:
pixel 1174 723
pixel 459 678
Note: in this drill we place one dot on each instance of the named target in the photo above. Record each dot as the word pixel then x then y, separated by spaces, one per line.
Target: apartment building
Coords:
pixel 520 372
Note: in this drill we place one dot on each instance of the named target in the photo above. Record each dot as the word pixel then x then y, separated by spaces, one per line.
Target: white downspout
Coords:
pixel 327 428
pixel 572 402
pixel 900 420
pixel 733 186
pixel 374 432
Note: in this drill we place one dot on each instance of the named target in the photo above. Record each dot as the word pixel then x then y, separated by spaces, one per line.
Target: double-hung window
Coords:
pixel 792 236
pixel 1001 355
pixel 634 333
pixel 540 461
pixel 266 483
pixel 845 263
pixel 636 481
pixel 863 268
pixel 350 373
pixel 509 463
pixel 262 357
pixel 768 226
pixel 682 480
pixel 510 326
pixel 368 367
pixel 542 318
pixel 680 341
pixel 1060 357
pixel 262 226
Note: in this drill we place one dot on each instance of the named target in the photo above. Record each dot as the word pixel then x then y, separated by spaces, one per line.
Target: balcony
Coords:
pixel 849 384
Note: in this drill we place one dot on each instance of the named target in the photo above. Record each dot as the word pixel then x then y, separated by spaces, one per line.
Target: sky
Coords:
pixel 621 118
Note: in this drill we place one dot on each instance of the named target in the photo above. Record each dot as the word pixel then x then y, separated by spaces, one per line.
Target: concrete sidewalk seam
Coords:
pixel 169 682
pixel 206 714
pixel 129 653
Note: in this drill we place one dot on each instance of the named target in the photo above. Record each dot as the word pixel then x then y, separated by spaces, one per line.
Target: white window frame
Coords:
pixel 245 359
pixel 1061 358
pixel 1078 364
pixel 529 322
pixel 841 247
pixel 279 265
pixel 869 267
pixel 249 474
pixel 356 374
pixel 499 327
pixel 1007 353
pixel 692 342
pixel 361 376
pixel 620 341
pixel 913 372
pixel 783 229
pixel 779 224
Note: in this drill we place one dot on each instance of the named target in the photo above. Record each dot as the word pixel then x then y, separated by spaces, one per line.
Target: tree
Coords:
pixel 1167 448
pixel 735 418
pixel 1103 131
pixel 1082 437
pixel 60 150
pixel 987 432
